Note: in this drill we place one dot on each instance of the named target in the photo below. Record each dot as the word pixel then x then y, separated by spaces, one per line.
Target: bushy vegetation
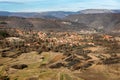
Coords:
pixel 4 78
pixel 2 22
pixel 3 34
pixel 76 56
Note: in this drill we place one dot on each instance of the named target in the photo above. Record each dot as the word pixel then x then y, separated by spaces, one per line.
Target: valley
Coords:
pixel 83 45
pixel 36 55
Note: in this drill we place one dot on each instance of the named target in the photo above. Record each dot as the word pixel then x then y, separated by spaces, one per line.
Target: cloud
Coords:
pixel 93 4
pixel 56 5
pixel 7 2
pixel 22 0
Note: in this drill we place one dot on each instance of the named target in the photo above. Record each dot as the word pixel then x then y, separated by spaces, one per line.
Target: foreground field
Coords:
pixel 36 55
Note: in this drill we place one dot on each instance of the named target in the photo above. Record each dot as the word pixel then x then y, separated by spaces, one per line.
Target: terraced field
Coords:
pixel 59 56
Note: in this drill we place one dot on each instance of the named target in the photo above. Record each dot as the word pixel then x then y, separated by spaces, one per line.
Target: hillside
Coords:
pixel 95 11
pixel 105 21
pixel 48 15
pixel 36 55
pixel 74 48
pixel 56 14
pixel 42 24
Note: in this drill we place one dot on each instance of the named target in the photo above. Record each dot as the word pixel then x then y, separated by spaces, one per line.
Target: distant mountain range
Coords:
pixel 103 21
pixel 93 11
pixel 55 14
pixel 50 14
pixel 100 20
pixel 40 24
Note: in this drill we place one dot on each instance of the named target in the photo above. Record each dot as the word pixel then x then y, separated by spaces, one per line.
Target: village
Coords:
pixel 72 51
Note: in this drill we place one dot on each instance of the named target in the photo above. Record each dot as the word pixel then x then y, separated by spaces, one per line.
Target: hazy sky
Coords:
pixel 56 5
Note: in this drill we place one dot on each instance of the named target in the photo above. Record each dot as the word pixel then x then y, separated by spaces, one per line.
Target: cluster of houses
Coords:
pixel 59 38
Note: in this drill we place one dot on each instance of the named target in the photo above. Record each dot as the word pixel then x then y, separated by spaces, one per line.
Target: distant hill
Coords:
pixel 116 11
pixel 55 14
pixel 48 15
pixel 5 13
pixel 41 24
pixel 93 11
pixel 90 19
pixel 98 11
pixel 104 21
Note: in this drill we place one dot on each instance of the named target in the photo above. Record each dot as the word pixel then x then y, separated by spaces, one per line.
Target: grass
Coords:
pixel 65 77
pixel 34 70
pixel 48 74
pixel 46 59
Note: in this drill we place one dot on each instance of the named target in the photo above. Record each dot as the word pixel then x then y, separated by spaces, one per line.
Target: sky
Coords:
pixel 56 5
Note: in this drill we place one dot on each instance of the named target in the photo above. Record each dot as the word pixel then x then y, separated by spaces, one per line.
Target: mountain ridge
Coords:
pixel 104 21
pixel 55 14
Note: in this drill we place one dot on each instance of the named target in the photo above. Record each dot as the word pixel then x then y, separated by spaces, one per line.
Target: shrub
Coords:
pixel 19 66
pixel 2 22
pixel 4 78
pixel 3 34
